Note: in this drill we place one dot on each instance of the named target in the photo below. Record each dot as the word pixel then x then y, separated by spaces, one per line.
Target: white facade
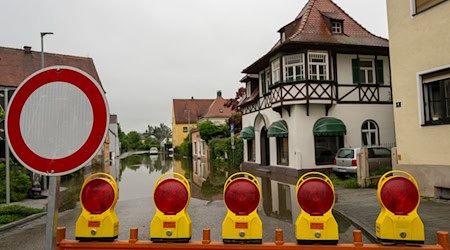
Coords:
pixel 353 105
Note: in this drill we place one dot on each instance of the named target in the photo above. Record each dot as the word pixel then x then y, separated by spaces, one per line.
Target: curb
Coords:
pixel 21 221
pixel 367 232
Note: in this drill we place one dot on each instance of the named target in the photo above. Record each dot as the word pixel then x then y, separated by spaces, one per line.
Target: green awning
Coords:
pixel 278 129
pixel 329 127
pixel 248 133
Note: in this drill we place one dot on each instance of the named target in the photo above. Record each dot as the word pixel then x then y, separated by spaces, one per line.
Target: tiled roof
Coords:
pixel 218 110
pixel 312 26
pixel 190 110
pixel 18 64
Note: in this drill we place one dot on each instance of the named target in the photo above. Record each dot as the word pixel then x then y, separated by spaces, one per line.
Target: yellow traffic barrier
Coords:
pixel 398 221
pixel 242 194
pixel 171 222
pixel 98 220
pixel 316 223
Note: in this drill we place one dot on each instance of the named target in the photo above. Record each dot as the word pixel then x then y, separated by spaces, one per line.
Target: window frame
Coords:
pixel 338 28
pixel 317 65
pixel 275 66
pixel 185 129
pixel 251 154
pixel 338 139
pixel 369 131
pixel 295 77
pixel 282 150
pixel 427 78
pixel 415 11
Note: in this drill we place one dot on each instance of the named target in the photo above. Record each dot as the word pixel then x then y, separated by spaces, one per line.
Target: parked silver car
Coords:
pixel 346 160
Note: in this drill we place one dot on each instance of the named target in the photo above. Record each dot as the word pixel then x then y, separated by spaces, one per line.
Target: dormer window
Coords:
pixel 336 27
pixel 283 36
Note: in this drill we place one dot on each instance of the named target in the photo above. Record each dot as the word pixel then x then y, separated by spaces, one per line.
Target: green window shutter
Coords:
pixel 379 71
pixel 355 70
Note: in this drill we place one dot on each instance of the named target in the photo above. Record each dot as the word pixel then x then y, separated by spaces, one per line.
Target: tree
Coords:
pixel 160 133
pixel 234 102
pixel 236 119
pixel 209 130
pixel 123 139
pixel 134 141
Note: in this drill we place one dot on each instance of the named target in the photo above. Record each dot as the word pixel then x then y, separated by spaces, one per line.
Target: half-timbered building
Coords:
pixel 324 85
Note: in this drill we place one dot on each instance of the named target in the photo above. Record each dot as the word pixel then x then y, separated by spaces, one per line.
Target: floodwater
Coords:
pixel 278 209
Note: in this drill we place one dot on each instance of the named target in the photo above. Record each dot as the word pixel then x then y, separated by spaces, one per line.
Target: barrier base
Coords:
pixel 321 242
pixel 101 239
pixel 165 240
pixel 247 241
pixel 394 242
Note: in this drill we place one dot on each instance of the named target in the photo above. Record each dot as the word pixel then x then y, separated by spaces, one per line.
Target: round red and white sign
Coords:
pixel 57 120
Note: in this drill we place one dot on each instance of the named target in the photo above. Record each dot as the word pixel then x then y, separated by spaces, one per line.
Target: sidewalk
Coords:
pixel 362 208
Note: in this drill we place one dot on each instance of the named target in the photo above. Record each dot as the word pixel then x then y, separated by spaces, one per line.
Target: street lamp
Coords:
pixel 42 46
pixel 42 66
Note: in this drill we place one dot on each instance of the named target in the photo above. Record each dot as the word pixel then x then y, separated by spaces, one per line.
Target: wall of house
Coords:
pixel 301 138
pixel 216 121
pixel 345 76
pixel 418 44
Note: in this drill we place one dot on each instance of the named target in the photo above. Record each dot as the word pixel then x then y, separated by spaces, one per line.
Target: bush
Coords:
pixel 20 183
pixel 12 213
pixel 221 151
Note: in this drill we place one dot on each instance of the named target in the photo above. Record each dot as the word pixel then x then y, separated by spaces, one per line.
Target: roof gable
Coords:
pixel 218 109
pixel 17 64
pixel 190 110
pixel 312 24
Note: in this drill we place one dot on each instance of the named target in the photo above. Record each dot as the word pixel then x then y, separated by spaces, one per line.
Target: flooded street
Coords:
pixel 136 177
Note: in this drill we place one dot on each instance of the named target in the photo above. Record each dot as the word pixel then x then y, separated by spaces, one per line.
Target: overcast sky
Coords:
pixel 148 52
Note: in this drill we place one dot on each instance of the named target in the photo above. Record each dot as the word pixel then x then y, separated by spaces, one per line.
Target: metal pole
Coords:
pixel 52 212
pixel 42 50
pixel 8 191
pixel 189 125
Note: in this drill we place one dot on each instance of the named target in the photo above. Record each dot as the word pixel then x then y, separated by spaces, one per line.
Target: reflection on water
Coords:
pixel 139 173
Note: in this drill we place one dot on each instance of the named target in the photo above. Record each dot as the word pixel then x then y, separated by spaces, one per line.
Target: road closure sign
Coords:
pixel 57 120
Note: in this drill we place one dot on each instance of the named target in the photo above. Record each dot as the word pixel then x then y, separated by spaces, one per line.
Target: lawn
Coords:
pixel 13 213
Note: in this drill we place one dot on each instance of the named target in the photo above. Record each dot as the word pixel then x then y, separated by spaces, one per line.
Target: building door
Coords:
pixel 265 149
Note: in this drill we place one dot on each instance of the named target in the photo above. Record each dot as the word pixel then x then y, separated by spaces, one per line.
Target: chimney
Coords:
pixel 27 49
pixel 219 93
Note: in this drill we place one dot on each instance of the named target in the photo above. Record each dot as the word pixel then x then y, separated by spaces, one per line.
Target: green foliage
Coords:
pixel 222 151
pixel 122 139
pixel 236 119
pixel 185 149
pixel 344 181
pixel 209 130
pixel 160 133
pixel 20 183
pixel 15 212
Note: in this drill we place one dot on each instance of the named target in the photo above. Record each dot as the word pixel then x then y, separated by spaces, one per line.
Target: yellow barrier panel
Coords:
pixel 398 221
pixel 242 194
pixel 171 222
pixel 316 223
pixel 98 220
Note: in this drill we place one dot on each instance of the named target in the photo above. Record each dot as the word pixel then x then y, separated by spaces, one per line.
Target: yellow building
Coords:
pixel 185 115
pixel 419 41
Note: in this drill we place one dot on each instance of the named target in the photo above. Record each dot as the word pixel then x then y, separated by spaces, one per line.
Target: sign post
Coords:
pixel 56 122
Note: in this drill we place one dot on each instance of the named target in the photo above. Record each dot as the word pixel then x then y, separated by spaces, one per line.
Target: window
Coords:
pixel 282 151
pixel 195 147
pixel 318 66
pixel 275 71
pixel 336 27
pixel 423 5
pixel 248 89
pixel 264 81
pixel 367 71
pixel 251 154
pixel 369 133
pixel 185 129
pixel 202 148
pixel 436 97
pixel 326 148
pixel 294 67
